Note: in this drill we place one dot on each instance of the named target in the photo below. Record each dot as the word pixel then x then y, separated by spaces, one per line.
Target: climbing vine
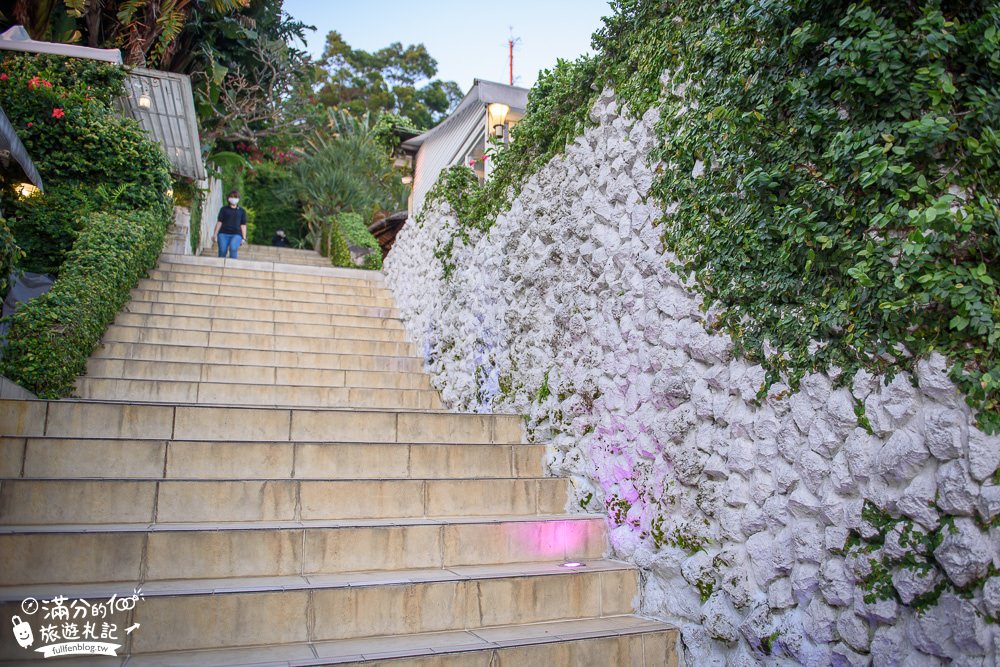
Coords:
pixel 832 172
pixel 558 105
pixel 835 175
pixel 918 556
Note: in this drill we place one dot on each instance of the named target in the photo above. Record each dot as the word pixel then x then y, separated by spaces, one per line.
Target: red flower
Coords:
pixel 58 113
pixel 3 77
pixel 35 82
pixel 30 124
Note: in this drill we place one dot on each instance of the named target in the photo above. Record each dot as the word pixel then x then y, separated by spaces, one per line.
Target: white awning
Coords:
pixel 18 39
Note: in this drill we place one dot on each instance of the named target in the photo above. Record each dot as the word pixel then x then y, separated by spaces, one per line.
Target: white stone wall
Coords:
pixel 565 312
pixel 210 207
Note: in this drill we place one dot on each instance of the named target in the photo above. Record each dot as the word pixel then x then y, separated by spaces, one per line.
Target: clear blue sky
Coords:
pixel 468 39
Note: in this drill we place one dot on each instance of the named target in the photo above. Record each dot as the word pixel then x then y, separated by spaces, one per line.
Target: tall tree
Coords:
pixel 145 30
pixel 250 80
pixel 396 78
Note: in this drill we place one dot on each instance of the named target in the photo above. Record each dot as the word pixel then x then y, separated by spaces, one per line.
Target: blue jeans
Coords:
pixel 229 243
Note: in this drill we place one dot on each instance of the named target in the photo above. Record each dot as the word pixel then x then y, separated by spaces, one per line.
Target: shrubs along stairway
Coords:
pixel 257 448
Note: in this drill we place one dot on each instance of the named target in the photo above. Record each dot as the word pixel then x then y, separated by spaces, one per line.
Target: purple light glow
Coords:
pixel 557 540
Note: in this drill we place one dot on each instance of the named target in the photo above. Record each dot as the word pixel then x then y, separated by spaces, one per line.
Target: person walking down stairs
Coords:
pixel 231 227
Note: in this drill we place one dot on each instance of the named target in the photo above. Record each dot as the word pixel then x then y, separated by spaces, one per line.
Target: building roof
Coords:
pixel 481 94
pixel 17 38
pixel 385 229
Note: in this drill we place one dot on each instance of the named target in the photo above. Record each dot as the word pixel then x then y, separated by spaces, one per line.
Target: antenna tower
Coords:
pixel 511 43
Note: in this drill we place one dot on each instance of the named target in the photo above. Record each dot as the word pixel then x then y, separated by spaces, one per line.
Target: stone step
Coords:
pixel 57 502
pixel 254 253
pixel 76 458
pixel 106 419
pixel 241 326
pixel 164 353
pixel 246 295
pixel 42 556
pixel 612 641
pixel 308 275
pixel 276 281
pixel 473 598
pixel 261 315
pixel 308 258
pixel 276 306
pixel 195 614
pixel 117 333
pixel 269 279
pixel 278 395
pixel 98 367
pixel 266 249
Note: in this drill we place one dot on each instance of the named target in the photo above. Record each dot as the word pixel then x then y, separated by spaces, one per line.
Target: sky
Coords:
pixel 468 39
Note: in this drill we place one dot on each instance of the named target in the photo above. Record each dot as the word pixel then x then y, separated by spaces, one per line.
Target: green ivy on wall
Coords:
pixel 558 105
pixel 836 179
pixel 834 171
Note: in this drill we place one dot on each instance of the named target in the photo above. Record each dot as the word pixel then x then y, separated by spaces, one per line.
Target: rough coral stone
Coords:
pixel 965 552
pixel 854 631
pixel 957 492
pixel 984 454
pixel 902 456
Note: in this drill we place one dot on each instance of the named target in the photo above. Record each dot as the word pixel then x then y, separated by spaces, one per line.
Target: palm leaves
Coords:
pixel 342 168
pixel 143 29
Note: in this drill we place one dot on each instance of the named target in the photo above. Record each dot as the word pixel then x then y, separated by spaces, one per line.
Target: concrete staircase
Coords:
pixel 264 253
pixel 257 446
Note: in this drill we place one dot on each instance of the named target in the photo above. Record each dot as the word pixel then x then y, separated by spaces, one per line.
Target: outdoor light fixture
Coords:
pixel 573 564
pixel 25 190
pixel 497 118
pixel 145 101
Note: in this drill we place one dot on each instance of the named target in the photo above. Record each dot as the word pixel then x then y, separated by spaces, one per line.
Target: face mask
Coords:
pixel 234 200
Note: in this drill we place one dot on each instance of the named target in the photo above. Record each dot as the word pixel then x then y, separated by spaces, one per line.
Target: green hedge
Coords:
pixel 10 253
pixel 51 336
pixel 352 225
pixel 333 243
pixel 89 156
pixel 348 228
pixel 265 187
